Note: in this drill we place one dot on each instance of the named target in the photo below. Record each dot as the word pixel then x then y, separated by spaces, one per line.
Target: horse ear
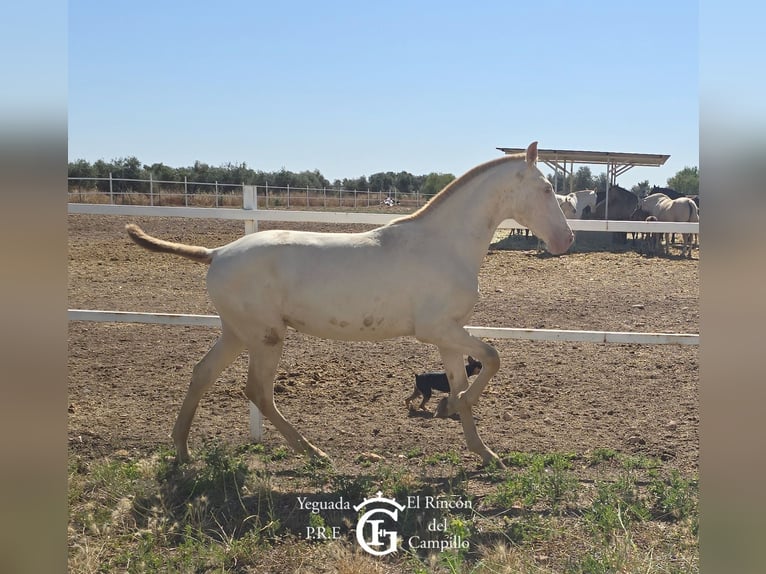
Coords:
pixel 532 154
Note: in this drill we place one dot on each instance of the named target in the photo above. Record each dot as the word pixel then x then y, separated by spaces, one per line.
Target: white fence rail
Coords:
pixel 558 335
pixel 350 217
pixel 251 216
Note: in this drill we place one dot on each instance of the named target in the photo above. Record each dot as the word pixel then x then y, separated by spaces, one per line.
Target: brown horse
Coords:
pixel 622 204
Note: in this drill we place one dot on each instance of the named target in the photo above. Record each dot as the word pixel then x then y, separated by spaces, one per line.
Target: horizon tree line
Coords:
pixel 685 181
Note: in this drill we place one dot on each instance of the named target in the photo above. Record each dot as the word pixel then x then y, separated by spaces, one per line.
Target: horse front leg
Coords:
pixel 458 382
pixel 455 369
pixel 453 342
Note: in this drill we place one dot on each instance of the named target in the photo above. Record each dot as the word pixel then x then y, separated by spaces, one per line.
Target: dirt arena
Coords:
pixel 127 381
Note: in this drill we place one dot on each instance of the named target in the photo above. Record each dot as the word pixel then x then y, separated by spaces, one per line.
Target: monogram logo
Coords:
pixel 370 538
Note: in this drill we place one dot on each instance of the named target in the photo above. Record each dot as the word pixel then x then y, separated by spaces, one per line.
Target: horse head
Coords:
pixel 534 204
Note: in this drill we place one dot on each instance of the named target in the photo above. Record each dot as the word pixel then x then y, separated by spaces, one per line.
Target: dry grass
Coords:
pixel 172 199
pixel 233 511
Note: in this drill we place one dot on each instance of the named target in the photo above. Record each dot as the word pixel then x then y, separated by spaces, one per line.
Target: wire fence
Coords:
pixel 124 191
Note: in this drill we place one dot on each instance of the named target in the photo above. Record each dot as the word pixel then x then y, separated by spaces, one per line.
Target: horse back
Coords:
pixel 342 286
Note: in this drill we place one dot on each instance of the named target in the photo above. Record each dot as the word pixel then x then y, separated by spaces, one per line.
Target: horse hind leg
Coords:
pixel 205 373
pixel 265 354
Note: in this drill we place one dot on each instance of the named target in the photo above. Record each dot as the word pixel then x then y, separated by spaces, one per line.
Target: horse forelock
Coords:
pixel 461 181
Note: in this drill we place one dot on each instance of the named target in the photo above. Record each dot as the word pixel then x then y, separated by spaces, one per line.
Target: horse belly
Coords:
pixel 325 293
pixel 346 314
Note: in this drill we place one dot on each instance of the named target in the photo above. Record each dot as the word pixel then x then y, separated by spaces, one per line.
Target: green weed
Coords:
pixel 545 480
pixel 674 499
pixel 616 506
pixel 450 457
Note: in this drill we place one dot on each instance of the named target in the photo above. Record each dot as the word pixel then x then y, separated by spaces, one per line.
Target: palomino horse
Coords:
pixel 416 276
pixel 670 192
pixel 677 210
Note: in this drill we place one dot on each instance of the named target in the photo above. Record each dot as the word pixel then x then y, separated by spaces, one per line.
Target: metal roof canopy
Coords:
pixel 616 163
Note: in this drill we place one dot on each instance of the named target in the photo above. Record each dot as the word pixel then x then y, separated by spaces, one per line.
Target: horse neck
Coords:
pixel 471 205
pixel 466 217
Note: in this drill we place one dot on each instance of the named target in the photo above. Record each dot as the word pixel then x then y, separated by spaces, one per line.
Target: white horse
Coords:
pixel 416 276
pixel 580 200
pixel 681 209
pixel 567 205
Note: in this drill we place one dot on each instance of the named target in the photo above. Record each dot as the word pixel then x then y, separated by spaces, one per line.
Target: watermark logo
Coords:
pixel 375 518
pixel 378 521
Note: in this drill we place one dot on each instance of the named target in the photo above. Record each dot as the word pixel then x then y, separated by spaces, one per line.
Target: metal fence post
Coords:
pixel 111 189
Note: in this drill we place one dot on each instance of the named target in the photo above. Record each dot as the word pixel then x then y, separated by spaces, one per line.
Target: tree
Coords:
pixel 583 179
pixel 686 181
pixel 382 182
pixel 281 178
pixel 434 183
pixel 558 181
pixel 80 168
pixel 641 189
pixel 358 183
pixel 599 184
pixel 405 182
pixel 161 172
pixel 128 168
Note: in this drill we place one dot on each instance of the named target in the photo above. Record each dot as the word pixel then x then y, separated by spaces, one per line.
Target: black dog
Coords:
pixel 426 383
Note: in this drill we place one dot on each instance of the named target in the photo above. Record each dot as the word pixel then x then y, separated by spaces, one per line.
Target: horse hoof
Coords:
pixel 463 397
pixel 492 460
pixel 318 454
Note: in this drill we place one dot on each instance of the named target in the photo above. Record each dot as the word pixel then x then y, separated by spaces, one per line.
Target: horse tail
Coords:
pixel 693 212
pixel 193 252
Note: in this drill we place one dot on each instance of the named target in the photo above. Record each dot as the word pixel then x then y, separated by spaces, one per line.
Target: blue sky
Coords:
pixel 353 88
